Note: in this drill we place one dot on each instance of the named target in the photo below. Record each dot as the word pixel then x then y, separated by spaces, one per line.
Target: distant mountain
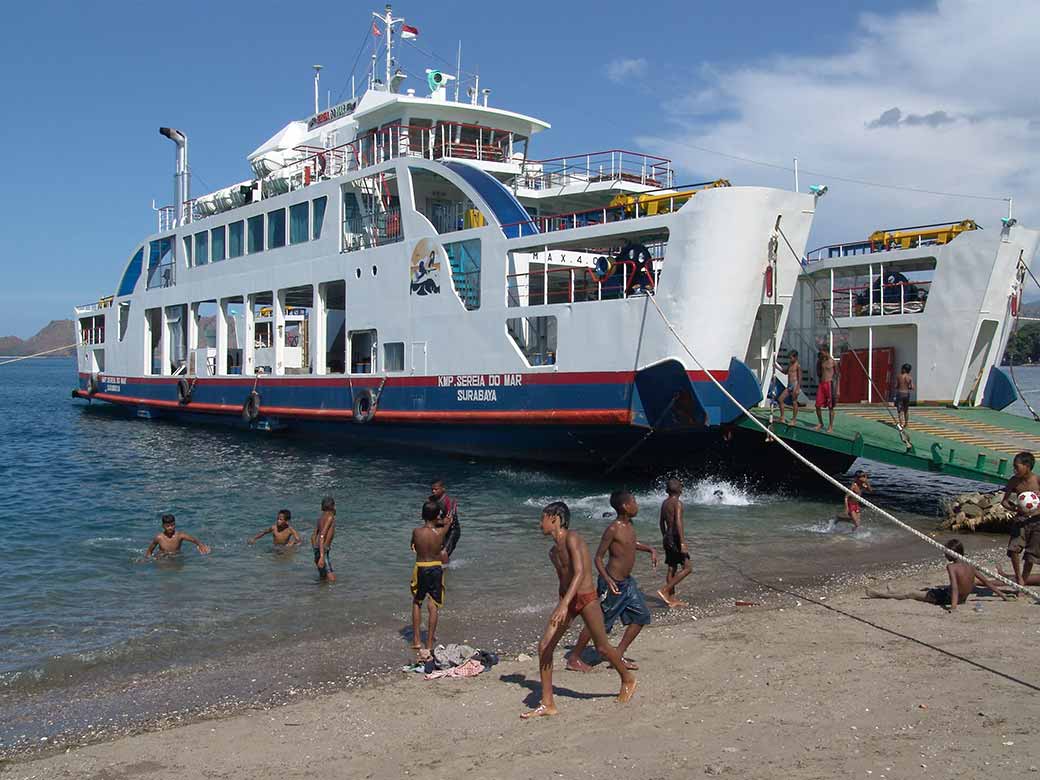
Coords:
pixel 57 333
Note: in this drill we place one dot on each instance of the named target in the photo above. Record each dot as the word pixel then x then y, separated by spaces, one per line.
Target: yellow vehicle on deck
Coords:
pixel 908 237
pixel 650 204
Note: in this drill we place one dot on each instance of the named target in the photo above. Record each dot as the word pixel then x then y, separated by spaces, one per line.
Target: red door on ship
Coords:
pixel 853 383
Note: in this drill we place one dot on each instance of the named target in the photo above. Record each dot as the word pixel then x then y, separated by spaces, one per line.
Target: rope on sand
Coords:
pixel 808 463
pixel 38 354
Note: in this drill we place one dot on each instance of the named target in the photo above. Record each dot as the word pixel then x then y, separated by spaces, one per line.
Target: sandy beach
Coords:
pixel 809 685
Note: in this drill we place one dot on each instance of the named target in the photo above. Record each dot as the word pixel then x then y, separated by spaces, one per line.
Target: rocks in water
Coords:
pixel 976 512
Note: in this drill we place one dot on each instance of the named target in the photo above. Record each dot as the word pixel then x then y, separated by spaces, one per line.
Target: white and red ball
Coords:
pixel 1028 501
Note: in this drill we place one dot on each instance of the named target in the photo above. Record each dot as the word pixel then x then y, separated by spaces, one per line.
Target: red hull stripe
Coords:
pixel 545 417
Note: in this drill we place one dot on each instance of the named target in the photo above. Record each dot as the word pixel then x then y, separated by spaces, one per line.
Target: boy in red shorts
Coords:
pixel 825 391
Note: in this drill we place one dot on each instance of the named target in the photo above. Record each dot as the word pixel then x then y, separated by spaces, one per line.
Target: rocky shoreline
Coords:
pixel 971 512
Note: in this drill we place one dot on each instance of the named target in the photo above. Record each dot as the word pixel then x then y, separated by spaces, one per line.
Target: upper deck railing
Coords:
pixel 612 165
pixel 935 234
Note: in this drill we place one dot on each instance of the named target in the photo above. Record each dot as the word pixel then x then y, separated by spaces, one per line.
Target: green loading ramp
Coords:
pixel 977 444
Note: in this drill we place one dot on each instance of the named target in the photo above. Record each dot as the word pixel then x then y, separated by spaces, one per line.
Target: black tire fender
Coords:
pixel 183 391
pixel 251 407
pixel 364 406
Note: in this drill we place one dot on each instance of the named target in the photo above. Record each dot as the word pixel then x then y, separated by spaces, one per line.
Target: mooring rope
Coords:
pixel 37 354
pixel 812 466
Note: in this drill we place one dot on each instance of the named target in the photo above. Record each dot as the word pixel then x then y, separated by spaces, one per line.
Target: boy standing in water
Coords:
pixel 570 557
pixel 428 572
pixel 673 539
pixel 860 485
pixel 321 539
pixel 794 387
pixel 449 516
pixel 904 386
pixel 825 390
pixel 170 540
pixel 617 588
pixel 1023 480
pixel 283 534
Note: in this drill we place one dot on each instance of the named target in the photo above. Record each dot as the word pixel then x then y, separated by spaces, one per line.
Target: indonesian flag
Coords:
pixel 375 30
pixel 408 32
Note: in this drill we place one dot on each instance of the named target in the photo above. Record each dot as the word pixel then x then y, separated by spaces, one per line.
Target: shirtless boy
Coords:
pixel 794 387
pixel 860 485
pixel 570 557
pixel 825 390
pixel 617 588
pixel 1023 479
pixel 321 539
pixel 904 387
pixel 673 539
pixel 963 577
pixel 170 540
pixel 449 516
pixel 428 572
pixel 283 534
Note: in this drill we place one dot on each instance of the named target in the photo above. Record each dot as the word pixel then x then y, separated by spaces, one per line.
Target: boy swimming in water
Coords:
pixel 428 572
pixel 283 534
pixel 321 539
pixel 170 540
pixel 673 538
pixel 1024 479
pixel 860 485
pixel 570 557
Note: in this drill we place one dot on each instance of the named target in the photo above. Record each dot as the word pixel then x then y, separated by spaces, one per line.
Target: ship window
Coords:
pixel 334 297
pixel 446 206
pixel 363 351
pixel 187 252
pixel 162 272
pixel 298 222
pixel 202 248
pixel 393 356
pixel 124 319
pixel 464 259
pixel 319 215
pixel 216 244
pixel 202 355
pixel 256 234
pixel 535 337
pixel 298 308
pixel 236 234
pixel 132 274
pixel 276 229
pixel 177 335
pixel 235 316
pixel 153 338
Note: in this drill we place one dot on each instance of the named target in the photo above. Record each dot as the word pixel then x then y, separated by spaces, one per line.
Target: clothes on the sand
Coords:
pixel 327 568
pixel 629 605
pixel 470 668
pixel 428 580
pixel 447 656
pixel 674 557
pixel 939 595
pixel 825 395
pixel 902 400
pixel 579 602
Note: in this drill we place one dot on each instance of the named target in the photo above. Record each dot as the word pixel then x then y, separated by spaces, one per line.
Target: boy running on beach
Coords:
pixel 321 539
pixel 673 539
pixel 283 534
pixel 963 577
pixel 449 516
pixel 570 557
pixel 825 390
pixel 1024 479
pixel 170 540
pixel 904 386
pixel 794 387
pixel 428 572
pixel 860 485
pixel 617 588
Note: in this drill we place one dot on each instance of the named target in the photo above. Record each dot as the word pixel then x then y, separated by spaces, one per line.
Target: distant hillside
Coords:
pixel 57 333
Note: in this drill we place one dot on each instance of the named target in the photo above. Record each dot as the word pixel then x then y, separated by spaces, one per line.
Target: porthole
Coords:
pixel 374 270
pixel 357 272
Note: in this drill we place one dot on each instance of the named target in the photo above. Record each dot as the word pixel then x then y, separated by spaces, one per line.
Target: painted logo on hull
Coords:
pixel 428 259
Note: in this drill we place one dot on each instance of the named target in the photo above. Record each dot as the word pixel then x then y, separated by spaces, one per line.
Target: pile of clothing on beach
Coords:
pixel 454 661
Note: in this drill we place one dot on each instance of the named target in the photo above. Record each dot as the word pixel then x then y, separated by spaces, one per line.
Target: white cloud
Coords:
pixel 939 100
pixel 623 69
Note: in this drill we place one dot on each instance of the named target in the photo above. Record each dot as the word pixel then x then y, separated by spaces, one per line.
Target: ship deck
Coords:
pixel 977 444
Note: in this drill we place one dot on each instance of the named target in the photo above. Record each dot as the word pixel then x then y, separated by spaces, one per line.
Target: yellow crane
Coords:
pixel 650 204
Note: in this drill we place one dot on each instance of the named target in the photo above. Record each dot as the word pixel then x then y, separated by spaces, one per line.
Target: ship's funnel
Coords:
pixel 181 177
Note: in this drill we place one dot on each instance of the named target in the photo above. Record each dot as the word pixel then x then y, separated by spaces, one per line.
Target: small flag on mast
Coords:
pixel 407 32
pixel 375 30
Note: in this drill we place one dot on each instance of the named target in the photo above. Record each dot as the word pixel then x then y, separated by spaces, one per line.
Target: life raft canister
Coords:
pixel 602 268
pixel 364 406
pixel 251 408
pixel 1016 297
pixel 184 389
pixel 769 281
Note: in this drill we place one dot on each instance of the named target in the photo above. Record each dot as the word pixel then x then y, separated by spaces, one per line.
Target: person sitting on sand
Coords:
pixel 963 577
pixel 321 539
pixel 860 485
pixel 673 539
pixel 283 534
pixel 618 590
pixel 570 557
pixel 170 540
pixel 1023 479
pixel 428 572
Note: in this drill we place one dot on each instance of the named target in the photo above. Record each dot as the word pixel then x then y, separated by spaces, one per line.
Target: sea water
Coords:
pixel 92 635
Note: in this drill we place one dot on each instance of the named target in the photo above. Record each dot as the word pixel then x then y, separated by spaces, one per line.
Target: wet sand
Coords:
pixel 814 683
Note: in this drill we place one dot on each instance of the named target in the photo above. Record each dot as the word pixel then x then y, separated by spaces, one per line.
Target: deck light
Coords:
pixel 818 190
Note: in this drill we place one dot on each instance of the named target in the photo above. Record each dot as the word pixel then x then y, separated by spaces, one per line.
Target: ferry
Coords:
pixel 399 268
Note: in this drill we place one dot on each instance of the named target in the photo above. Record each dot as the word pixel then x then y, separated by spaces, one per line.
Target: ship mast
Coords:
pixel 388 20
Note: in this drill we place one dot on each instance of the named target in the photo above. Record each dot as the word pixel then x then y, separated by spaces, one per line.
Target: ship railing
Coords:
pixel 831 251
pixel 367 231
pixel 612 165
pixel 577 284
pixel 868 300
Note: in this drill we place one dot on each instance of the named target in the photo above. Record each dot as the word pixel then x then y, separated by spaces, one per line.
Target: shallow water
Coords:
pixel 82 614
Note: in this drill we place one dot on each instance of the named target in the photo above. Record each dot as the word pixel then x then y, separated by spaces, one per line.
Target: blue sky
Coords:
pixel 87 86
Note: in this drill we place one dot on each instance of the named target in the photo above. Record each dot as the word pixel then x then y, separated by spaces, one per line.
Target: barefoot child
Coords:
pixel 283 534
pixel 449 516
pixel 617 588
pixel 794 387
pixel 860 485
pixel 963 577
pixel 170 540
pixel 321 539
pixel 673 539
pixel 570 557
pixel 825 390
pixel 1023 480
pixel 904 386
pixel 428 572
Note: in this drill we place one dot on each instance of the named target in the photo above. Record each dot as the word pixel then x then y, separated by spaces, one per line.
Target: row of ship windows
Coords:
pixel 257 233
